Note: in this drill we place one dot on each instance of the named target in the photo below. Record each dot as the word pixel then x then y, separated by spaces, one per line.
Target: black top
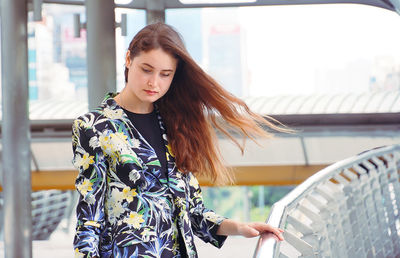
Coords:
pixel 149 127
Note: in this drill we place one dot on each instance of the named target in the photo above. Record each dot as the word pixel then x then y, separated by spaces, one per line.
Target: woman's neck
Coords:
pixel 128 103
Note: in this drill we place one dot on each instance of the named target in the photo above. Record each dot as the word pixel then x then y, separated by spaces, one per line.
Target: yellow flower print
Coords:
pixel 83 161
pixel 119 135
pixel 105 142
pixel 78 254
pixel 85 186
pixel 86 160
pixel 104 139
pixel 134 219
pixel 113 114
pixel 128 194
pixel 170 150
pixel 92 223
pixel 193 182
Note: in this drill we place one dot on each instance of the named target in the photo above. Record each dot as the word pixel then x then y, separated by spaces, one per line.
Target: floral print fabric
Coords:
pixel 127 207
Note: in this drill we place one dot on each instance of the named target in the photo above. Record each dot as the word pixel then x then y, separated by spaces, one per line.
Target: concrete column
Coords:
pixel 15 130
pixel 100 24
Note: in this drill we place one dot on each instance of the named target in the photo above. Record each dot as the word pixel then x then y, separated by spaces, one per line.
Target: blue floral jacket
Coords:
pixel 124 197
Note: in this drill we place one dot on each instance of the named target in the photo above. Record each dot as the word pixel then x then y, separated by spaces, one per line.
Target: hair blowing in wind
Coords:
pixel 196 106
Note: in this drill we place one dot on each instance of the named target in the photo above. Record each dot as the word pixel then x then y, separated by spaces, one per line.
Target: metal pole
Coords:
pixel 101 58
pixel 303 147
pixel 261 200
pixel 15 130
pixel 155 11
pixel 246 204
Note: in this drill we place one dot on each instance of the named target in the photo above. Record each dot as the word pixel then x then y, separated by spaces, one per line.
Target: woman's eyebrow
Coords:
pixel 164 70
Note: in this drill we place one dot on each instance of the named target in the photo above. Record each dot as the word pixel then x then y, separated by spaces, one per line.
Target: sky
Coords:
pixel 320 48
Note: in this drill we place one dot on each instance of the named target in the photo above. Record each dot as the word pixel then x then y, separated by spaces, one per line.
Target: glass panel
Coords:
pixel 295 105
pixel 361 104
pixel 396 105
pixel 282 51
pixel 243 203
pixel 348 103
pixel 389 99
pixel 335 103
pixel 57 64
pixel 57 60
pixel 136 20
pixel 375 102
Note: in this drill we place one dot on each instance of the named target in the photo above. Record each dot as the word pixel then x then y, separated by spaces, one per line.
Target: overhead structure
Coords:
pixel 393 5
pixel 155 11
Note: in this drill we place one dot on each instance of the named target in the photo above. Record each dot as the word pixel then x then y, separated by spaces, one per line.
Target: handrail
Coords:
pixel 349 209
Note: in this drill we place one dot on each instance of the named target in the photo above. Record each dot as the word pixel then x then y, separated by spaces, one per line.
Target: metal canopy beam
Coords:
pixel 393 5
pixel 372 125
pixel 101 54
pixel 15 129
pixel 387 4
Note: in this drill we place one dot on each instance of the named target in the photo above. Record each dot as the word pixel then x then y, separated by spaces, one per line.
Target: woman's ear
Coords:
pixel 128 60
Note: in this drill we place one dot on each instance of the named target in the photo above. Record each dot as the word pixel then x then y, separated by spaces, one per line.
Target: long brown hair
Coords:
pixel 194 105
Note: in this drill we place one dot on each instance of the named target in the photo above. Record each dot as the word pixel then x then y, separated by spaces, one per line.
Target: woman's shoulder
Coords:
pixel 93 114
pixel 99 116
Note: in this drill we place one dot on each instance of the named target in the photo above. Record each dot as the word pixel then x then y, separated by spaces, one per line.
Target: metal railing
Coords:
pixel 48 209
pixel 349 209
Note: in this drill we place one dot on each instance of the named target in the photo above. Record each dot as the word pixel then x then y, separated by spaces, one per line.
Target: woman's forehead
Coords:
pixel 157 58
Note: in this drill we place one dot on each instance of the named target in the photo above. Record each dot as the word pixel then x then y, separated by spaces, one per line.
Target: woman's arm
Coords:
pixel 204 222
pixel 230 227
pixel 90 184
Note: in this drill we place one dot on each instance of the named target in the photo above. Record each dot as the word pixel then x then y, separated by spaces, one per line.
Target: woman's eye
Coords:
pixel 165 74
pixel 146 70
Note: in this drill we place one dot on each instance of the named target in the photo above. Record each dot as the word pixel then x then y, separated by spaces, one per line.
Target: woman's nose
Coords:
pixel 152 81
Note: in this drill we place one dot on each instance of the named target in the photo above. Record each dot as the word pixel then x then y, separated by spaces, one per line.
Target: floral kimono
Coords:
pixel 127 205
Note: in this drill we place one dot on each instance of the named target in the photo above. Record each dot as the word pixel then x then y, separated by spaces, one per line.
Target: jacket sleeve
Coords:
pixel 88 158
pixel 205 222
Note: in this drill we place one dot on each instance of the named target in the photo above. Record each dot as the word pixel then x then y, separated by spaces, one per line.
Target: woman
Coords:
pixel 139 151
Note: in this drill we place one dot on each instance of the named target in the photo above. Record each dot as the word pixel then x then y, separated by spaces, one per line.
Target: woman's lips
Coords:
pixel 150 92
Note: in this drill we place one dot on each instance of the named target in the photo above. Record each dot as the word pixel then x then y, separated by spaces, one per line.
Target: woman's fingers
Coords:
pixel 248 231
pixel 263 227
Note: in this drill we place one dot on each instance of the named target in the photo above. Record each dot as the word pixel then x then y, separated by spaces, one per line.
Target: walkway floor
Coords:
pixel 60 246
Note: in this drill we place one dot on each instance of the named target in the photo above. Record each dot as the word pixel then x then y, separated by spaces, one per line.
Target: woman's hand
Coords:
pixel 231 227
pixel 254 229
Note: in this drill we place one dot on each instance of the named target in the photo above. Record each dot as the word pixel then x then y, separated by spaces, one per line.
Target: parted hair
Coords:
pixel 196 107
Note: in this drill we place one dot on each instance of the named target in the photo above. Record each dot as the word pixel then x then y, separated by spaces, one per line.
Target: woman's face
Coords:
pixel 149 77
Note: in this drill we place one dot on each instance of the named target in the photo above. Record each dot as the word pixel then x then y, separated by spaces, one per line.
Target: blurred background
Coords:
pixel 330 71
